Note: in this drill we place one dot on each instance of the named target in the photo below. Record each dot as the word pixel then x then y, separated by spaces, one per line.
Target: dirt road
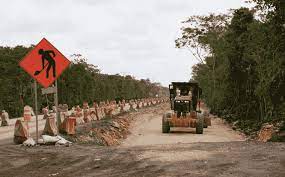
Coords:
pixel 146 152
pixel 147 131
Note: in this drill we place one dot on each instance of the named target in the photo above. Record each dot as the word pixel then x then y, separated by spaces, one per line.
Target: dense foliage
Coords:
pixel 80 82
pixel 242 61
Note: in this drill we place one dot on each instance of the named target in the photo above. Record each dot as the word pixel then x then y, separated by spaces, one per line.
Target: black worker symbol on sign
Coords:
pixel 47 55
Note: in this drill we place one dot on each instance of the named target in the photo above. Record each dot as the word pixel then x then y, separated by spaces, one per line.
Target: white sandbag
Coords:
pixel 60 138
pixel 62 141
pixel 29 142
pixel 41 141
pixel 50 139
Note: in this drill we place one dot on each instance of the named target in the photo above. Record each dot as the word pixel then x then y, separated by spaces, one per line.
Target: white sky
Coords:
pixel 130 37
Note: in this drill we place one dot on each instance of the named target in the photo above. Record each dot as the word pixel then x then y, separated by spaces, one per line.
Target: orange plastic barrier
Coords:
pixel 20 132
pixel 68 125
pixel 50 127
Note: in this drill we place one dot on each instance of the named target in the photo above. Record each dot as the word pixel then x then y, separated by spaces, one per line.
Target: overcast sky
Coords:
pixel 130 37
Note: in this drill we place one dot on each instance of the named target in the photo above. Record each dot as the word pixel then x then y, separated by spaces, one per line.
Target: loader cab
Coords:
pixel 184 100
pixel 184 96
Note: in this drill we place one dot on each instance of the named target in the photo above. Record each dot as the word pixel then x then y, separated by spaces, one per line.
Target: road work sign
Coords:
pixel 44 63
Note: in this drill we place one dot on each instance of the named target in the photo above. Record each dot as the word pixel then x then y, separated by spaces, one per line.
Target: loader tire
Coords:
pixel 165 124
pixel 200 124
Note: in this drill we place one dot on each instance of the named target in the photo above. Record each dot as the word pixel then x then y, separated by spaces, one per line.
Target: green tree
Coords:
pixel 242 67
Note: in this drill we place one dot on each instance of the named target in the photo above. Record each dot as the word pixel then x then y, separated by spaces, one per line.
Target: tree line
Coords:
pixel 241 65
pixel 80 82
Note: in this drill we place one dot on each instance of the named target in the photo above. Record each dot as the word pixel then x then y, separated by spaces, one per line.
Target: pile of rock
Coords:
pixel 105 132
pixel 266 132
pixel 269 131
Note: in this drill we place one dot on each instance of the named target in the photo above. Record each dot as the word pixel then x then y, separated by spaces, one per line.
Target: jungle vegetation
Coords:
pixel 241 65
pixel 80 82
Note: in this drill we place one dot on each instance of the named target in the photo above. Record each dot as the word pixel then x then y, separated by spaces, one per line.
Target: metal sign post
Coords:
pixel 53 90
pixel 58 120
pixel 36 110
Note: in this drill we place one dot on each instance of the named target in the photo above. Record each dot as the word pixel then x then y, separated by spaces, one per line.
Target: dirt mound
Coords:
pixel 266 133
pixel 271 132
pixel 104 132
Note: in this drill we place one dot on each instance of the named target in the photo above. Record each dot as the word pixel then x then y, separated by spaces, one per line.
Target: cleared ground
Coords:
pixel 147 152
pixel 147 131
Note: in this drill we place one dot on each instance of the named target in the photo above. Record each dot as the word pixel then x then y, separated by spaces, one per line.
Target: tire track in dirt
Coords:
pixel 222 159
